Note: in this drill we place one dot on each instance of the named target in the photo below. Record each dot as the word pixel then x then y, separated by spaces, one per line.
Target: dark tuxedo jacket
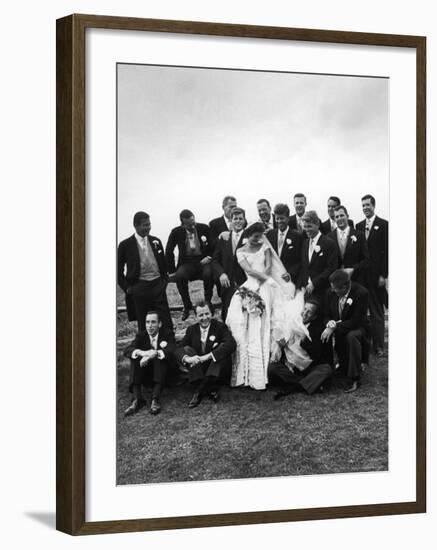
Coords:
pixel 225 261
pixel 292 223
pixel 356 254
pixel 128 266
pixel 291 251
pixel 319 352
pixel 217 226
pixel 325 227
pixel 178 237
pixel 166 343
pixel 220 341
pixel 377 244
pixel 354 314
pixel 322 264
pixel 129 258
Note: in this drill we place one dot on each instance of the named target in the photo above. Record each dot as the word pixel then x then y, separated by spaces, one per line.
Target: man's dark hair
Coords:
pixel 340 277
pixel 257 227
pixel 371 197
pixel 228 198
pixel 202 303
pixel 185 214
pixel 263 200
pixel 341 207
pixel 311 216
pixel 335 199
pixel 314 301
pixel 153 312
pixel 139 217
pixel 299 196
pixel 281 209
pixel 238 211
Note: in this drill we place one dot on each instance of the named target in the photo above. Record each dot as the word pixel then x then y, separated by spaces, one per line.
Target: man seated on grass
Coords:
pixel 346 319
pixel 206 350
pixel 319 371
pixel 151 357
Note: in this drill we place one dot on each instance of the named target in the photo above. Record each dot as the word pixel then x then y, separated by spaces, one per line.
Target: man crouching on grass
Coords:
pixel 151 355
pixel 207 349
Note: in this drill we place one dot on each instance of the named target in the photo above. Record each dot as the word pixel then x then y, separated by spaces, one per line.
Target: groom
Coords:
pixel 286 242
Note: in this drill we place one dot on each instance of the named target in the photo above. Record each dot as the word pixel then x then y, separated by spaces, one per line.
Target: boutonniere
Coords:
pixel 244 241
pixel 353 239
pixel 349 301
pixel 290 247
pixel 317 249
pixel 215 345
pixel 288 241
pixel 376 227
pixel 156 243
pixel 204 239
pixel 212 337
pixel 163 344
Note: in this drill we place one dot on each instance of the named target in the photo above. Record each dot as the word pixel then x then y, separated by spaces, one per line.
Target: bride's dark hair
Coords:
pixel 256 227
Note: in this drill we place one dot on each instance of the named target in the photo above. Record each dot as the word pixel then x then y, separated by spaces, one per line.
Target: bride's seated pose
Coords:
pixel 264 314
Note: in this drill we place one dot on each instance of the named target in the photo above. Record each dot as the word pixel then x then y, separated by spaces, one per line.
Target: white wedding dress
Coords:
pixel 258 336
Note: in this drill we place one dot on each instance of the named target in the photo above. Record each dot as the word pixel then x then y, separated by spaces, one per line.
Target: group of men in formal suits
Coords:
pixel 342 270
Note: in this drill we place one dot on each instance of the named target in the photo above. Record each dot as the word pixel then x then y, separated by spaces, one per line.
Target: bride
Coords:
pixel 264 314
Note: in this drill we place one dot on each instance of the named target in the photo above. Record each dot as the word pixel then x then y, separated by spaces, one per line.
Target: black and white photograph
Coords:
pixel 252 306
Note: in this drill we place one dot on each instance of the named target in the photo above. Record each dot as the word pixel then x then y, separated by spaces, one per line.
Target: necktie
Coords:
pixel 280 242
pixel 367 229
pixel 144 245
pixel 341 305
pixel 311 249
pixel 342 242
pixel 203 341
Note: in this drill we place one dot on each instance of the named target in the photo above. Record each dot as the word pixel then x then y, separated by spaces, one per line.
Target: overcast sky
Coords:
pixel 189 136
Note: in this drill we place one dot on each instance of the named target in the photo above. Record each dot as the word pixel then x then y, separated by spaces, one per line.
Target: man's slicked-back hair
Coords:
pixel 371 197
pixel 282 209
pixel 335 199
pixel 185 214
pixel 139 217
pixel 299 196
pixel 227 199
pixel 341 207
pixel 311 216
pixel 153 312
pixel 202 303
pixel 263 200
pixel 237 211
pixel 339 278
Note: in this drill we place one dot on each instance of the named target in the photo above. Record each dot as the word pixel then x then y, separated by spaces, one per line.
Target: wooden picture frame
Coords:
pixel 71 251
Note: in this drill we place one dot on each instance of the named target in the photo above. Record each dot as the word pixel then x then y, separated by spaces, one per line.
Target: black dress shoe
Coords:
pixel 155 407
pixel 195 401
pixel 281 394
pixel 134 407
pixel 185 314
pixel 214 396
pixel 353 386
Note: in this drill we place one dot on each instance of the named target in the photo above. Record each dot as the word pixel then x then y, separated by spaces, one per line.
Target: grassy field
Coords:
pixel 247 434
